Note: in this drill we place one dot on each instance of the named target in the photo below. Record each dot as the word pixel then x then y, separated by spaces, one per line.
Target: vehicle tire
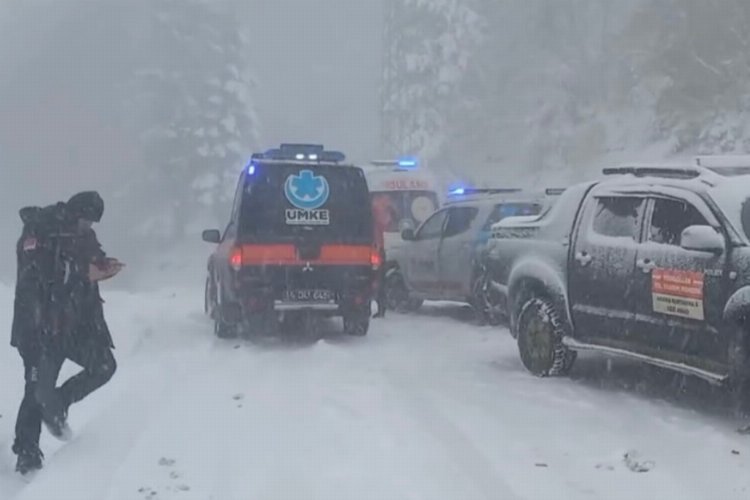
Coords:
pixel 260 324
pixel 223 330
pixel 486 309
pixel 356 323
pixel 739 376
pixel 540 334
pixel 413 305
pixel 397 295
pixel 209 306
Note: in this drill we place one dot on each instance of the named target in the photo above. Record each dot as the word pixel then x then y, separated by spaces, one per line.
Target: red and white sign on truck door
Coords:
pixel 678 293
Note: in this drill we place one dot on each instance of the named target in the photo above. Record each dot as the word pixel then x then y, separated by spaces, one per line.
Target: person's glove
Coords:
pixel 105 270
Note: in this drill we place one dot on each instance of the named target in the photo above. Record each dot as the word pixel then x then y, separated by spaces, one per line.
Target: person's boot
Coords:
pixel 29 459
pixel 381 311
pixel 55 418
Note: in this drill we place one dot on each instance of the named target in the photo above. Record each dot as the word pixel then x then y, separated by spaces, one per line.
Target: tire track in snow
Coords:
pixel 175 423
pixel 109 428
pixel 85 455
pixel 463 452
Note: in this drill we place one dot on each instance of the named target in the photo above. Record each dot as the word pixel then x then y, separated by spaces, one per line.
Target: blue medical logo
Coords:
pixel 306 191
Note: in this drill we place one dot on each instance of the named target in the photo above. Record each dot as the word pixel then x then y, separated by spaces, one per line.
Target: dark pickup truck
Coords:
pixel 649 263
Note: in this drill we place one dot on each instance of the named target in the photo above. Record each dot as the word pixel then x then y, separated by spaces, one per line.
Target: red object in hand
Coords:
pixel 105 271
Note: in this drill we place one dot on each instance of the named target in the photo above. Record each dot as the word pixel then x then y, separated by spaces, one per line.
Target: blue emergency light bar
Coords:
pixel 673 172
pixel 408 163
pixel 300 152
pixel 403 163
pixel 461 191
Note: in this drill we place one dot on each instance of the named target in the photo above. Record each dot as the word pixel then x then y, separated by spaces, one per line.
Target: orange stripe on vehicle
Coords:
pixel 268 254
pixel 286 255
pixel 345 254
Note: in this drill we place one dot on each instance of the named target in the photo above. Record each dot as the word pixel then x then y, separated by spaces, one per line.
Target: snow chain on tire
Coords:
pixel 563 358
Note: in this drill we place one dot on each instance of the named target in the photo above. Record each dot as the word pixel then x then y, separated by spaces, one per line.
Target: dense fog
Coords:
pixel 158 103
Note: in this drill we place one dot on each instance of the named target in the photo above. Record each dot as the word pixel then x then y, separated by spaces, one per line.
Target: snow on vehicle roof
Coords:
pixel 558 217
pixel 494 198
pixel 684 175
pixel 725 179
pixel 516 220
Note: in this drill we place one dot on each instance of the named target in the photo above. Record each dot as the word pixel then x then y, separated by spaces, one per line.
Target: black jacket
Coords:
pixel 86 300
pixel 54 298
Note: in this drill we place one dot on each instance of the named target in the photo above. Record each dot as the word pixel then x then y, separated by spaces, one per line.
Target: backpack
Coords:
pixel 42 304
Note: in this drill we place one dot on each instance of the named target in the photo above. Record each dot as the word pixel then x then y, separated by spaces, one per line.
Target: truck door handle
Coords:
pixel 645 265
pixel 583 258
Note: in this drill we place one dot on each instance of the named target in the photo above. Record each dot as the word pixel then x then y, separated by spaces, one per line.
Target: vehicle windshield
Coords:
pixel 733 198
pixel 395 211
pixel 269 213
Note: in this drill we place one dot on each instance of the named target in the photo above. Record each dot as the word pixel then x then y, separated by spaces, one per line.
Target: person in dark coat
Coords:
pixel 383 216
pixel 58 315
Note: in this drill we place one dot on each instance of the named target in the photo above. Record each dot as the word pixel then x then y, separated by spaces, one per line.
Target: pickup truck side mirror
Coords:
pixel 408 234
pixel 703 239
pixel 212 236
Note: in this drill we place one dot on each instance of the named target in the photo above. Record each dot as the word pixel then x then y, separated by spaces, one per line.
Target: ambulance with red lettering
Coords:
pixel 402 196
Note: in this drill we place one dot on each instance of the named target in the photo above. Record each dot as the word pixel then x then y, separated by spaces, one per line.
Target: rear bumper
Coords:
pixel 264 289
pixel 280 305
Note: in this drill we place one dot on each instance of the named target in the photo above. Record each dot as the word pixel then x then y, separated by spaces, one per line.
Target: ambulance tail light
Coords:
pixel 376 259
pixel 235 258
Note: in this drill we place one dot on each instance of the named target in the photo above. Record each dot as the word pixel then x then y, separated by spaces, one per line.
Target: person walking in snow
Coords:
pixel 379 225
pixel 58 315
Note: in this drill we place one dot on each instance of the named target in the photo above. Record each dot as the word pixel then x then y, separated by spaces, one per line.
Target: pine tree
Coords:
pixel 194 90
pixel 692 59
pixel 433 43
pixel 149 102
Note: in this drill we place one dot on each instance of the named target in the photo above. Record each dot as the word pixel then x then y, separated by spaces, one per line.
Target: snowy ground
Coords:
pixel 426 407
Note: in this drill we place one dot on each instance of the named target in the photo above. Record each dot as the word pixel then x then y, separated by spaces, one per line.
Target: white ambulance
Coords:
pixel 402 196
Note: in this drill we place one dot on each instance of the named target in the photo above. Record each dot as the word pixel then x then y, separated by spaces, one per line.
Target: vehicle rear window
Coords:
pixel 327 202
pixel 503 210
pixel 618 217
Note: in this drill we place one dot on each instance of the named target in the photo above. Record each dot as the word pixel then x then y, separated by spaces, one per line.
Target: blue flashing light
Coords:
pixel 251 169
pixel 408 163
pixel 301 152
pixel 470 191
pixel 304 149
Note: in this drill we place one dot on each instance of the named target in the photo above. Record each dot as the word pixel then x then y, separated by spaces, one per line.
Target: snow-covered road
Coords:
pixel 425 407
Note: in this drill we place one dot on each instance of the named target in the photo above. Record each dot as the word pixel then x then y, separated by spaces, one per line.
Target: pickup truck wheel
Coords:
pixel 739 376
pixel 397 295
pixel 540 335
pixel 485 305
